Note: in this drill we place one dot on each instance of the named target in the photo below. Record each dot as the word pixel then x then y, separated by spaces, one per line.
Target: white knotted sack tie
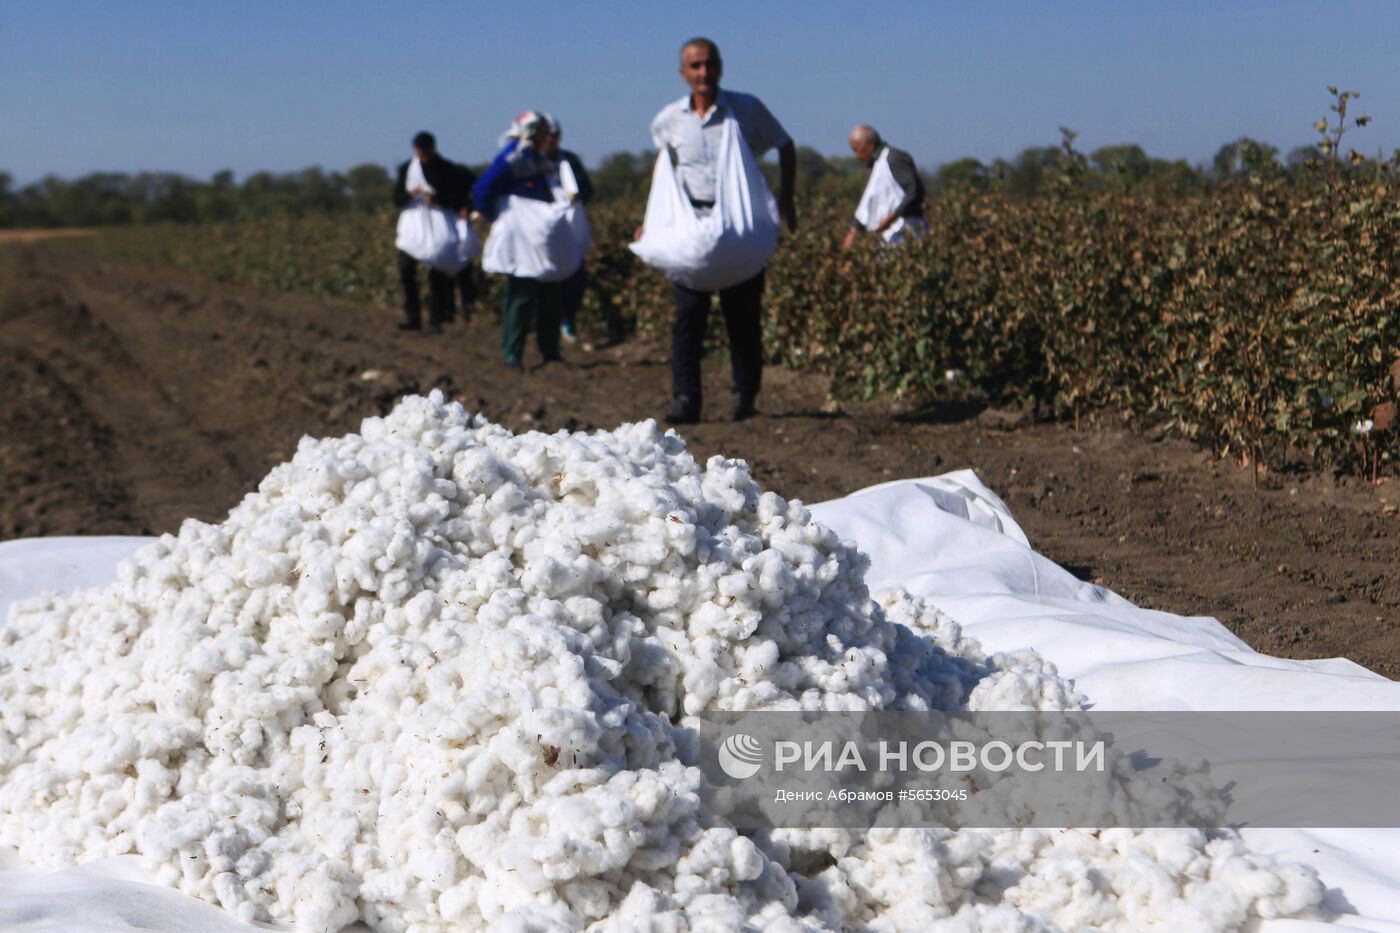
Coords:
pixel 415 179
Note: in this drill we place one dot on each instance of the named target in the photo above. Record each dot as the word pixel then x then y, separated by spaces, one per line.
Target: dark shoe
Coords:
pixel 515 365
pixel 743 409
pixel 434 328
pixel 406 325
pixel 684 410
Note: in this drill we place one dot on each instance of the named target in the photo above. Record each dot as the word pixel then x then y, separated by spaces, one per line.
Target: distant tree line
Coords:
pixel 116 198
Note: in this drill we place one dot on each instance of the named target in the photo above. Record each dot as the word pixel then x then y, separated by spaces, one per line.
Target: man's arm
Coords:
pixel 465 179
pixel 493 182
pixel 768 133
pixel 659 139
pixel 853 233
pixel 787 170
pixel 585 184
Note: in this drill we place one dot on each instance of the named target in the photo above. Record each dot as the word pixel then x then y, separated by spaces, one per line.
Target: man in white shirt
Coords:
pixel 690 130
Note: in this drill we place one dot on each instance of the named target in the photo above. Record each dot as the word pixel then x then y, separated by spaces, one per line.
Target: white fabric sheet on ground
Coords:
pixel 947 538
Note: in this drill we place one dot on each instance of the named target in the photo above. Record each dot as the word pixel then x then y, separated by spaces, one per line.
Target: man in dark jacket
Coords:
pixel 867 146
pixel 443 189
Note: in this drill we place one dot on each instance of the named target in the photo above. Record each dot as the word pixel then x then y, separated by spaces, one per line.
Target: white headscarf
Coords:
pixel 524 128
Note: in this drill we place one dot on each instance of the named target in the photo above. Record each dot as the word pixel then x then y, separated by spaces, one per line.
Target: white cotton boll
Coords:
pixel 748 862
pixel 1297 894
pixel 644 910
pixel 435 675
pixel 536 918
pixel 1026 682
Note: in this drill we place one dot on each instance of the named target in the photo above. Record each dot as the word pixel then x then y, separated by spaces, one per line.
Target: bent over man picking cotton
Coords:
pixel 892 205
pixel 712 224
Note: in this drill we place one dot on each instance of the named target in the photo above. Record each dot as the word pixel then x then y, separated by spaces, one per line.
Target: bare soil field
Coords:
pixel 130 400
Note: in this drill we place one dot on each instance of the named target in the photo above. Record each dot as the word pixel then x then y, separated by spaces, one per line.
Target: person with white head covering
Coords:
pixel 530 297
pixel 575 183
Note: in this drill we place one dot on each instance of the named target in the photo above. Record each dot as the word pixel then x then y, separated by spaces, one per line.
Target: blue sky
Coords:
pixel 196 87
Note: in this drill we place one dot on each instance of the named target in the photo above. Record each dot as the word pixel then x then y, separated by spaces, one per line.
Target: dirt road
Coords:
pixel 130 400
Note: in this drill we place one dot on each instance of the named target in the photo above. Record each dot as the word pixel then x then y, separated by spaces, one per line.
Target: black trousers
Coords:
pixel 440 292
pixel 466 284
pixel 742 305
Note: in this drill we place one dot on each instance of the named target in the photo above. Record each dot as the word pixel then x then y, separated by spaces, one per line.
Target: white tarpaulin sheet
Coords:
pixel 947 538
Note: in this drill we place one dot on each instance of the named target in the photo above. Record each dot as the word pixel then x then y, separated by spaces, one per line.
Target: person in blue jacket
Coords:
pixel 520 169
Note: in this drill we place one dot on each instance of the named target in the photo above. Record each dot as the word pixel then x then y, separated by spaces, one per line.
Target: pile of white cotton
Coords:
pixel 436 675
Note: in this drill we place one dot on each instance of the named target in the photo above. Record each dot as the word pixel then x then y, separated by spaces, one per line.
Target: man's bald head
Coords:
pixel 700 42
pixel 701 67
pixel 865 142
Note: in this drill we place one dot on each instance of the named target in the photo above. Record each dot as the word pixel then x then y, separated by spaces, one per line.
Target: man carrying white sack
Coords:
pixel 892 206
pixel 531 241
pixel 428 181
pixel 712 224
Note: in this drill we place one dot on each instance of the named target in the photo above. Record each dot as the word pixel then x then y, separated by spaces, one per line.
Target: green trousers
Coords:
pixel 527 303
